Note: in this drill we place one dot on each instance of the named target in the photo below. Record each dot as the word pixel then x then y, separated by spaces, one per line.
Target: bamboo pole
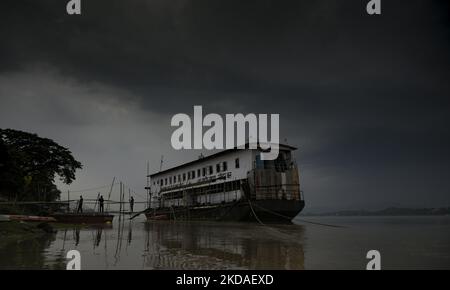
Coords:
pixel 123 198
pixel 110 191
pixel 120 198
pixel 68 200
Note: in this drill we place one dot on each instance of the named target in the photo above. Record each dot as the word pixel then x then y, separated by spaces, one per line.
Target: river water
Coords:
pixel 403 242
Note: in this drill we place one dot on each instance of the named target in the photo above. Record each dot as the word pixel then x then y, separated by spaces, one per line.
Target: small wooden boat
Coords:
pixel 4 218
pixel 84 218
pixel 28 218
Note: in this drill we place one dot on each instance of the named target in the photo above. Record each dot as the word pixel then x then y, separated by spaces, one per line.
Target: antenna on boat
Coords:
pixel 161 164
pixel 148 184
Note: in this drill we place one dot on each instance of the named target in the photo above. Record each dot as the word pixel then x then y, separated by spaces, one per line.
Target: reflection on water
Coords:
pixel 28 254
pixel 212 245
pixel 219 246
pixel 163 245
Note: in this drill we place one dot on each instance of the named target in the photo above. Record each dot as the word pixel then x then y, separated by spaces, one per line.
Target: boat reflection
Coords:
pixel 221 246
pixel 163 245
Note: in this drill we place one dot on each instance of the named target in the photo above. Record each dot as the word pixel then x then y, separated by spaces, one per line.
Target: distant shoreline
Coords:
pixel 393 211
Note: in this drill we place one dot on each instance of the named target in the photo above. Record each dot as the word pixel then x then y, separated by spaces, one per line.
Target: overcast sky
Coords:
pixel 365 98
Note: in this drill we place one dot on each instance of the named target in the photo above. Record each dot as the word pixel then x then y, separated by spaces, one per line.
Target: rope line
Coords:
pixel 306 221
pixel 92 189
pixel 254 213
pixel 106 186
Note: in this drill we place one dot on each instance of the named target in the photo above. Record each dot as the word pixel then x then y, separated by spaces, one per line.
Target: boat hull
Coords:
pixel 26 218
pixel 266 211
pixel 83 218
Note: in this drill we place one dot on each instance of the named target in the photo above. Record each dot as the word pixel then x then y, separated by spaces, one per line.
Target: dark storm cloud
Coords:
pixel 360 94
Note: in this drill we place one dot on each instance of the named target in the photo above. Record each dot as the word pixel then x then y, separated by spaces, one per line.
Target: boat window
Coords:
pixel 225 166
pixel 259 163
pixel 170 180
pixel 281 163
pixel 193 174
pixel 165 181
pixel 218 168
pixel 236 162
pixel 189 175
pixel 211 171
pixel 184 176
pixel 198 172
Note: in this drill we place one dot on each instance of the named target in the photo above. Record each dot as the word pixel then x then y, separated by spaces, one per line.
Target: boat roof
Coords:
pixel 220 153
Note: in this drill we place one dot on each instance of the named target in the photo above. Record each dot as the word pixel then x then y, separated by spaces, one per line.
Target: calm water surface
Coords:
pixel 404 243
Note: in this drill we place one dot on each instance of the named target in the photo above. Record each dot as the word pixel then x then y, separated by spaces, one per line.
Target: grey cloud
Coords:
pixel 361 96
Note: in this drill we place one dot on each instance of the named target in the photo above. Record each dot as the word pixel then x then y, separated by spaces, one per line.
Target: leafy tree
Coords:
pixel 29 165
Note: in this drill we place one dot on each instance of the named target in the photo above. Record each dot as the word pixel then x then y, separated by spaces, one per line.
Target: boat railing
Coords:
pixel 279 167
pixel 276 193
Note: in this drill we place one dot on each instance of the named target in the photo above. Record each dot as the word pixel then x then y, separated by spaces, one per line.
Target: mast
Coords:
pixel 110 191
pixel 148 184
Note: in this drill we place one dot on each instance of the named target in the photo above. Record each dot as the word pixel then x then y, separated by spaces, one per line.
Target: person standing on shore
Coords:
pixel 80 205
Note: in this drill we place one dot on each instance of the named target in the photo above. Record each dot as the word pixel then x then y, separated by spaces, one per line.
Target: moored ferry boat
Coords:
pixel 231 185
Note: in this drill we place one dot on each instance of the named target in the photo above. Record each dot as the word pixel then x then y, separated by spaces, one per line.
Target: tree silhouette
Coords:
pixel 29 165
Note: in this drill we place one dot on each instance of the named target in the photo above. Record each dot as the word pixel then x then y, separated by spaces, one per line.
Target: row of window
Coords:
pixel 205 190
pixel 201 172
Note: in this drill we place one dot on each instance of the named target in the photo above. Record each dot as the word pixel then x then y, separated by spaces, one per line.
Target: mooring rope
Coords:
pixel 306 221
pixel 254 213
pixel 275 231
